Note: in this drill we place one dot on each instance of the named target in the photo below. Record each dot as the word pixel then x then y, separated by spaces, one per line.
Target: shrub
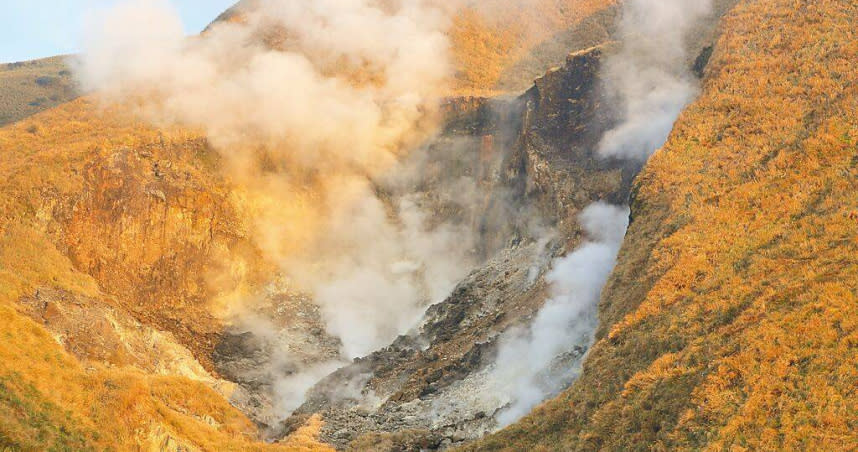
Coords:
pixel 45 80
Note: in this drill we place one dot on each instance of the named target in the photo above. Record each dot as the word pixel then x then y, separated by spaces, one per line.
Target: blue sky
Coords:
pixel 31 29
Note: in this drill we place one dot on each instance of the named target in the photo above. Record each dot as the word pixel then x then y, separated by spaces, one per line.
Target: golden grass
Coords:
pixel 732 318
pixel 111 409
pixel 27 88
pixel 489 39
pixel 48 399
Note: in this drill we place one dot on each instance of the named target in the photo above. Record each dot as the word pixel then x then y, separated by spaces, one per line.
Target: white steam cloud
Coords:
pixel 309 103
pixel 651 81
pixel 349 86
pixel 567 320
pixel 650 76
pixel 312 102
pixel 377 277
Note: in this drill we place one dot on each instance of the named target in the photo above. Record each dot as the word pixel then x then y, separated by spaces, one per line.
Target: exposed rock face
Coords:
pixel 254 361
pixel 115 239
pixel 142 212
pixel 533 154
pixel 99 331
pixel 150 218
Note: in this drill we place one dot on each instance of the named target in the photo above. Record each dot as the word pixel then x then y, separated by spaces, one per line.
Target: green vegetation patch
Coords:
pixel 30 423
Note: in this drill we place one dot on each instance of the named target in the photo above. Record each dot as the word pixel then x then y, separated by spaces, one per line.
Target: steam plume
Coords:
pixel 329 94
pixel 650 76
pixel 566 320
pixel 650 80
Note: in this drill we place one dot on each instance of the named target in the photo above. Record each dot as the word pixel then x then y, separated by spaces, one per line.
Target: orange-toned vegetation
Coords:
pixel 29 87
pixel 137 223
pixel 141 211
pixel 731 322
pixel 49 400
pixel 500 46
pixel 100 206
pixel 489 38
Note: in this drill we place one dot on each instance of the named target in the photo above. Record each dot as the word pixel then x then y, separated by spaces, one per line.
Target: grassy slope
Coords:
pixel 27 88
pixel 731 321
pixel 501 46
pixel 49 400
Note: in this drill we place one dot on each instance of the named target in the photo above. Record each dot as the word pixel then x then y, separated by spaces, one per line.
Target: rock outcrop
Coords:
pixel 533 153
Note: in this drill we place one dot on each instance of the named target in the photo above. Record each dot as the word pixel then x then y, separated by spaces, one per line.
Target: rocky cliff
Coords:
pixel 535 154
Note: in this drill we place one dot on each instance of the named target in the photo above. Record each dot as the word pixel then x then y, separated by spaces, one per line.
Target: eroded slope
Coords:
pixel 433 387
pixel 109 231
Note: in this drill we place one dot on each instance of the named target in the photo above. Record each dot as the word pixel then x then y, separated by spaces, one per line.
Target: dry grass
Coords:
pixel 48 399
pixel 143 211
pixel 65 223
pixel 492 39
pixel 730 323
pixel 27 88
pixel 501 46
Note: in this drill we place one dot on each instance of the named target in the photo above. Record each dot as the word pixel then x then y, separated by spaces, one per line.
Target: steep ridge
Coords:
pixel 730 320
pixel 498 48
pixel 501 46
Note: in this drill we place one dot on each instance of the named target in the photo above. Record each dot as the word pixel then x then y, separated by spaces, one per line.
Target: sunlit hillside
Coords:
pixel 29 87
pixel 79 267
pixel 730 323
pixel 114 237
pixel 499 47
pixel 503 45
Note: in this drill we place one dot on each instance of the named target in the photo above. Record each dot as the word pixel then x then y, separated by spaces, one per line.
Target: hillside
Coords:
pixel 103 224
pixel 231 273
pixel 29 87
pixel 120 241
pixel 730 320
pixel 501 46
pixel 497 48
